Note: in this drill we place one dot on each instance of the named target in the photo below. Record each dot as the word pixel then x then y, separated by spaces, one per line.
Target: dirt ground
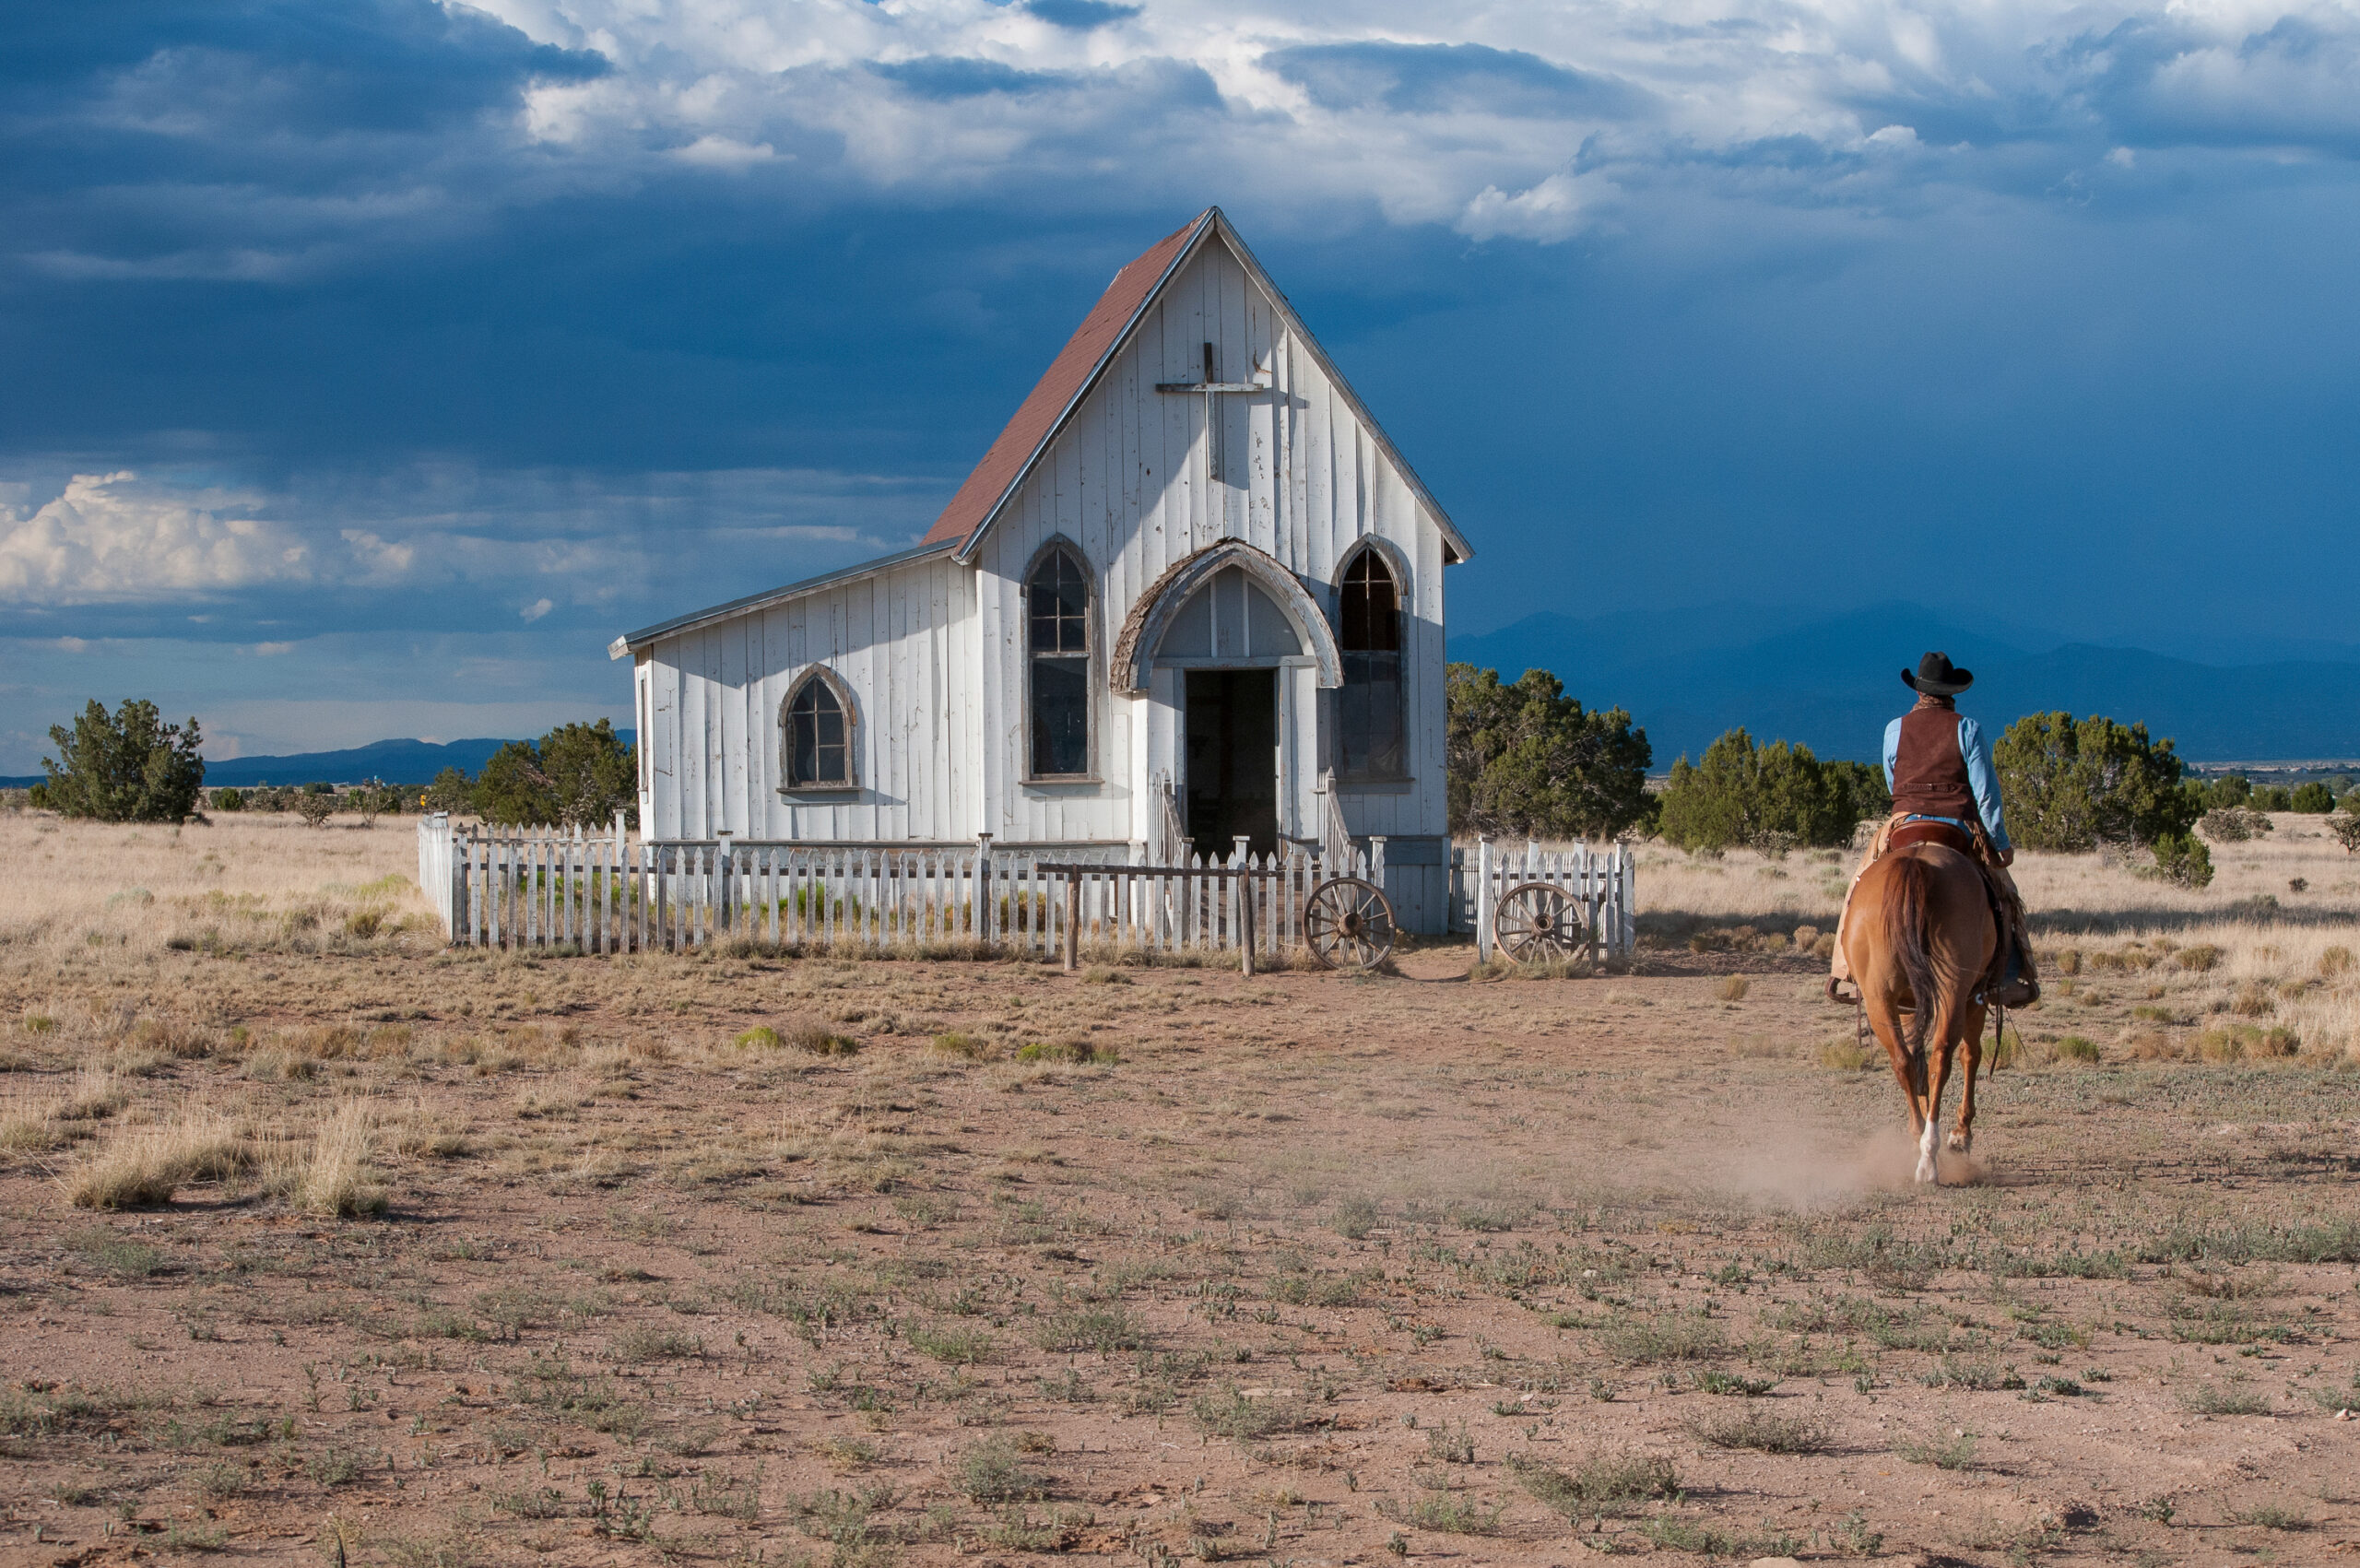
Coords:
pixel 477 1258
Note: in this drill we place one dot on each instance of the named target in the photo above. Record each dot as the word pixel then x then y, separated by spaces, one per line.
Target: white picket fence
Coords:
pixel 1601 879
pixel 604 893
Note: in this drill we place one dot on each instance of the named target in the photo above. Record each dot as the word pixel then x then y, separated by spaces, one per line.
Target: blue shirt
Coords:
pixel 1980 776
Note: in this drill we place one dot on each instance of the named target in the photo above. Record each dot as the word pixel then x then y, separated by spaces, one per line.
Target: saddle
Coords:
pixel 1942 833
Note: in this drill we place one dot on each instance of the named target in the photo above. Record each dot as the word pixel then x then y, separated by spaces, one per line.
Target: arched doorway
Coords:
pixel 1230 639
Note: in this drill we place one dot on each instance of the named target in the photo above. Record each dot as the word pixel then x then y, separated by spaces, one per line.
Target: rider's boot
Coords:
pixel 2018 986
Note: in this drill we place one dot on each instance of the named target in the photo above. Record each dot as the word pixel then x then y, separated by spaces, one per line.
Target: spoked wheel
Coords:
pixel 1537 922
pixel 1348 921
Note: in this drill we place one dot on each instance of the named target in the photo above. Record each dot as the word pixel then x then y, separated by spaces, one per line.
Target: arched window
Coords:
pixel 818 736
pixel 1369 707
pixel 1058 614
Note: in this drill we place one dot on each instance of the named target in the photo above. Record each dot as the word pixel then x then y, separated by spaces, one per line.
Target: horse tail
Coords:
pixel 1906 929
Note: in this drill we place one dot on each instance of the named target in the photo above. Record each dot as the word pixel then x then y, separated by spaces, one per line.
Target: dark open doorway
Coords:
pixel 1233 760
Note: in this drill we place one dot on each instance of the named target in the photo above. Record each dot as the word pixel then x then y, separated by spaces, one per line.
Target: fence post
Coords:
pixel 1073 921
pixel 1245 883
pixel 984 889
pixel 723 863
pixel 1482 900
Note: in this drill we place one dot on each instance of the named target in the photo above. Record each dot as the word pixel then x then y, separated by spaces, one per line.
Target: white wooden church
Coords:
pixel 1192 592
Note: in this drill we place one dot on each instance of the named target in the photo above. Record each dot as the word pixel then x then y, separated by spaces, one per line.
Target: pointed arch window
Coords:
pixel 1369 729
pixel 819 739
pixel 1057 649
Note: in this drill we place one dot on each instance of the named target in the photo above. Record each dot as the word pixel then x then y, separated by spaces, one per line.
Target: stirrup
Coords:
pixel 1835 993
pixel 2021 992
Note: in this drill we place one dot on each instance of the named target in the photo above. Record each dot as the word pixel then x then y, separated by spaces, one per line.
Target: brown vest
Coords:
pixel 1928 773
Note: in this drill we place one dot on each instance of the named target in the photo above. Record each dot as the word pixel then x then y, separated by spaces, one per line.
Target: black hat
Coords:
pixel 1937 677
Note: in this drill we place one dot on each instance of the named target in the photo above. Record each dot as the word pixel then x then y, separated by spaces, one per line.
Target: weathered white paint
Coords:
pixel 934 652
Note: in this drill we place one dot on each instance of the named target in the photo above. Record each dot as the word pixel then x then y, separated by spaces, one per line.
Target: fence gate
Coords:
pixel 1531 893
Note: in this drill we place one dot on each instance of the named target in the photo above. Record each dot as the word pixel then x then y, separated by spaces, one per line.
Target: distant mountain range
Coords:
pixel 394 761
pixel 1832 684
pixel 391 762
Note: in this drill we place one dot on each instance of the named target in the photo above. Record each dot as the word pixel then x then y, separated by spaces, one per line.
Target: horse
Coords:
pixel 1920 942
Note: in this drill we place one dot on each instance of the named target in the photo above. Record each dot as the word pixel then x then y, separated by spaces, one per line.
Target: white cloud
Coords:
pixel 113 536
pixel 946 95
pixel 722 152
pixel 1554 209
pixel 523 541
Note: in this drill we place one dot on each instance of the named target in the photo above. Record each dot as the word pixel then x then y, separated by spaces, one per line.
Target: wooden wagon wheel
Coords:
pixel 1536 922
pixel 1347 920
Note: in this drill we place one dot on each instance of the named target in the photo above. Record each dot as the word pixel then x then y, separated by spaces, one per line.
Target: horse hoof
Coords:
pixel 1925 1177
pixel 1961 1143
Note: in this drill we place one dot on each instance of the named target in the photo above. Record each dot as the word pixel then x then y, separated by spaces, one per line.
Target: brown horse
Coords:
pixel 1919 941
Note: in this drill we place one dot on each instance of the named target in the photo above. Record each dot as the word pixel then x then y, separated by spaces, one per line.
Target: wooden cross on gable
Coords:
pixel 1212 386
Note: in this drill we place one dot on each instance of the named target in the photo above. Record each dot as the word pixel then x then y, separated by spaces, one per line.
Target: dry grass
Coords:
pixel 143 1166
pixel 332 1177
pixel 124 892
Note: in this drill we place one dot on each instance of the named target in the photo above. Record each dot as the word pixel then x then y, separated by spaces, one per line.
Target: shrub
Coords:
pixel 2076 1048
pixel 2274 797
pixel 1602 1482
pixel 2233 824
pixel 992 1472
pixel 966 1046
pixel 452 791
pixel 819 1039
pixel 1525 760
pixel 2074 784
pixel 2228 792
pixel 315 809
pixel 2313 799
pixel 1081 1053
pixel 228 800
pixel 1952 1453
pixel 1765 1431
pixel 1770 797
pixel 576 776
pixel 2182 859
pixel 2346 826
pixel 127 768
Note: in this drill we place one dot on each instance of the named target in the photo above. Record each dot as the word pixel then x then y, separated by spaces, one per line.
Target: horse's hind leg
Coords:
pixel 1940 1037
pixel 1962 1138
pixel 1887 1027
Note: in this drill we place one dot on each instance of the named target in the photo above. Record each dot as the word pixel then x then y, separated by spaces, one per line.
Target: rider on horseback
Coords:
pixel 1944 791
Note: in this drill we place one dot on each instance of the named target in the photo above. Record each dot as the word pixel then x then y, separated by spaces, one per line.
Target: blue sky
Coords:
pixel 371 363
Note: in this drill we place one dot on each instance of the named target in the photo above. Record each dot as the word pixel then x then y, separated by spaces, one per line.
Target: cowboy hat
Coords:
pixel 1937 677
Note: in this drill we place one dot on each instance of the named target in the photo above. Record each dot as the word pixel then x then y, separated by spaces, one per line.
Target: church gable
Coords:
pixel 1191 401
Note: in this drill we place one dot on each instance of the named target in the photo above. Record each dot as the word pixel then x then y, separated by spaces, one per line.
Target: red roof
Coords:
pixel 1065 378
